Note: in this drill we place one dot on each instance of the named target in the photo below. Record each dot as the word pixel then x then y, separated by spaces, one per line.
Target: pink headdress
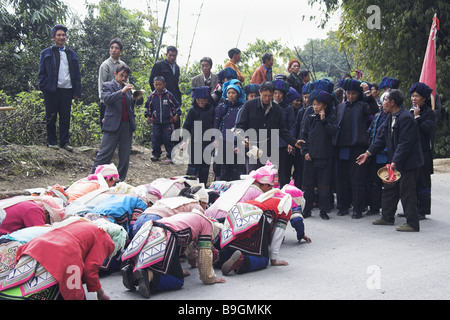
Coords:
pixel 265 175
pixel 50 204
pixel 108 171
pixel 296 194
pixel 148 192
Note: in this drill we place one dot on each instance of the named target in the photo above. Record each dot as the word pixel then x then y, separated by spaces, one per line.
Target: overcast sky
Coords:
pixel 227 24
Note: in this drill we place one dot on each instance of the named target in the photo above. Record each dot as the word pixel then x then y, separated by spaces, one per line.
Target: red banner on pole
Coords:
pixel 428 75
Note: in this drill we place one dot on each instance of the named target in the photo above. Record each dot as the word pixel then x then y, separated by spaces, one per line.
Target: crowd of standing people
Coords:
pixel 332 141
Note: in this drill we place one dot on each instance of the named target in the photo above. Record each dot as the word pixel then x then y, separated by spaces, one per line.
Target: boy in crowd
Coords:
pixel 162 110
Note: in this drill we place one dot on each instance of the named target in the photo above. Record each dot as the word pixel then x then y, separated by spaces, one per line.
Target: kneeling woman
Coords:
pixel 152 258
pixel 254 230
pixel 55 264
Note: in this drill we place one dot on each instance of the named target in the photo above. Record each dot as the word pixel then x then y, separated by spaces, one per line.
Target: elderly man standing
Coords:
pixel 206 78
pixel 107 70
pixel 60 80
pixel 119 122
pixel 399 134
pixel 264 71
pixel 170 71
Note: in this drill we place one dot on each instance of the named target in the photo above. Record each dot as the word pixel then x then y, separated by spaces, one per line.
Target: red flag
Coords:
pixel 428 75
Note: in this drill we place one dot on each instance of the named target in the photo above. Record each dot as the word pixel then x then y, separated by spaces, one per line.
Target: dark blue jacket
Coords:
pixel 357 113
pixel 162 107
pixel 49 69
pixel 318 135
pixel 427 125
pixel 289 118
pixel 402 142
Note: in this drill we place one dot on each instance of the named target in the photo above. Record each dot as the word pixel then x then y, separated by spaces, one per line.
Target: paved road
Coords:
pixel 347 259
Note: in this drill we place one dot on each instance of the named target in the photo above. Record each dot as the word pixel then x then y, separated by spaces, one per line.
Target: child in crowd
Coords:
pixel 162 110
pixel 201 113
pixel 318 151
pixel 224 120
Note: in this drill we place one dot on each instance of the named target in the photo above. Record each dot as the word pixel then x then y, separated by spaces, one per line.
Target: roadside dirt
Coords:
pixel 27 167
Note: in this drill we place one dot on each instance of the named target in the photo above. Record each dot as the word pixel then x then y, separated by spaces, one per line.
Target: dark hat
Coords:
pixel 350 85
pixel 320 96
pixel 281 85
pixel 292 95
pixel 281 76
pixel 228 73
pixel 251 88
pixel 422 89
pixel 324 85
pixel 201 92
pixel 56 28
pixel 389 82
pixel 307 88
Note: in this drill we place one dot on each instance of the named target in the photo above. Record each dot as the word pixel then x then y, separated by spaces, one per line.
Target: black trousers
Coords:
pixel 297 175
pixel 351 179
pixel 321 177
pixel 285 166
pixel 374 185
pixel 59 103
pixel 424 185
pixel 405 191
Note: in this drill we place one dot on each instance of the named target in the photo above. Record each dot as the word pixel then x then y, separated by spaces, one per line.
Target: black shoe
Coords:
pixel 324 215
pixel 141 275
pixel 128 279
pixel 153 158
pixel 356 215
pixel 372 212
pixel 422 217
pixel 343 212
pixel 306 214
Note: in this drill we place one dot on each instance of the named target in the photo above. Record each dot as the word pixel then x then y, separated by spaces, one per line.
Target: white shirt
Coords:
pixel 64 80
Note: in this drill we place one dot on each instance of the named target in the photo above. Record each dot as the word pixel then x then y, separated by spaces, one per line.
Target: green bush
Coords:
pixel 442 137
pixel 25 125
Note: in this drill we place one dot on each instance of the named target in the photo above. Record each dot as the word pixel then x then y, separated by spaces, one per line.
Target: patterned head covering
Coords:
pixel 320 96
pixel 324 85
pixel 201 92
pixel 51 205
pixel 307 88
pixel 251 88
pixel 265 175
pixel 422 89
pixel 292 95
pixel 281 85
pixel 350 85
pixel 389 82
pixel 227 73
pixel 107 171
pixel 148 193
pixel 296 194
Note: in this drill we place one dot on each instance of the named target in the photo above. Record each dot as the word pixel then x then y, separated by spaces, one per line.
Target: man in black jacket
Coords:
pixel 170 71
pixel 263 115
pixel 400 135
